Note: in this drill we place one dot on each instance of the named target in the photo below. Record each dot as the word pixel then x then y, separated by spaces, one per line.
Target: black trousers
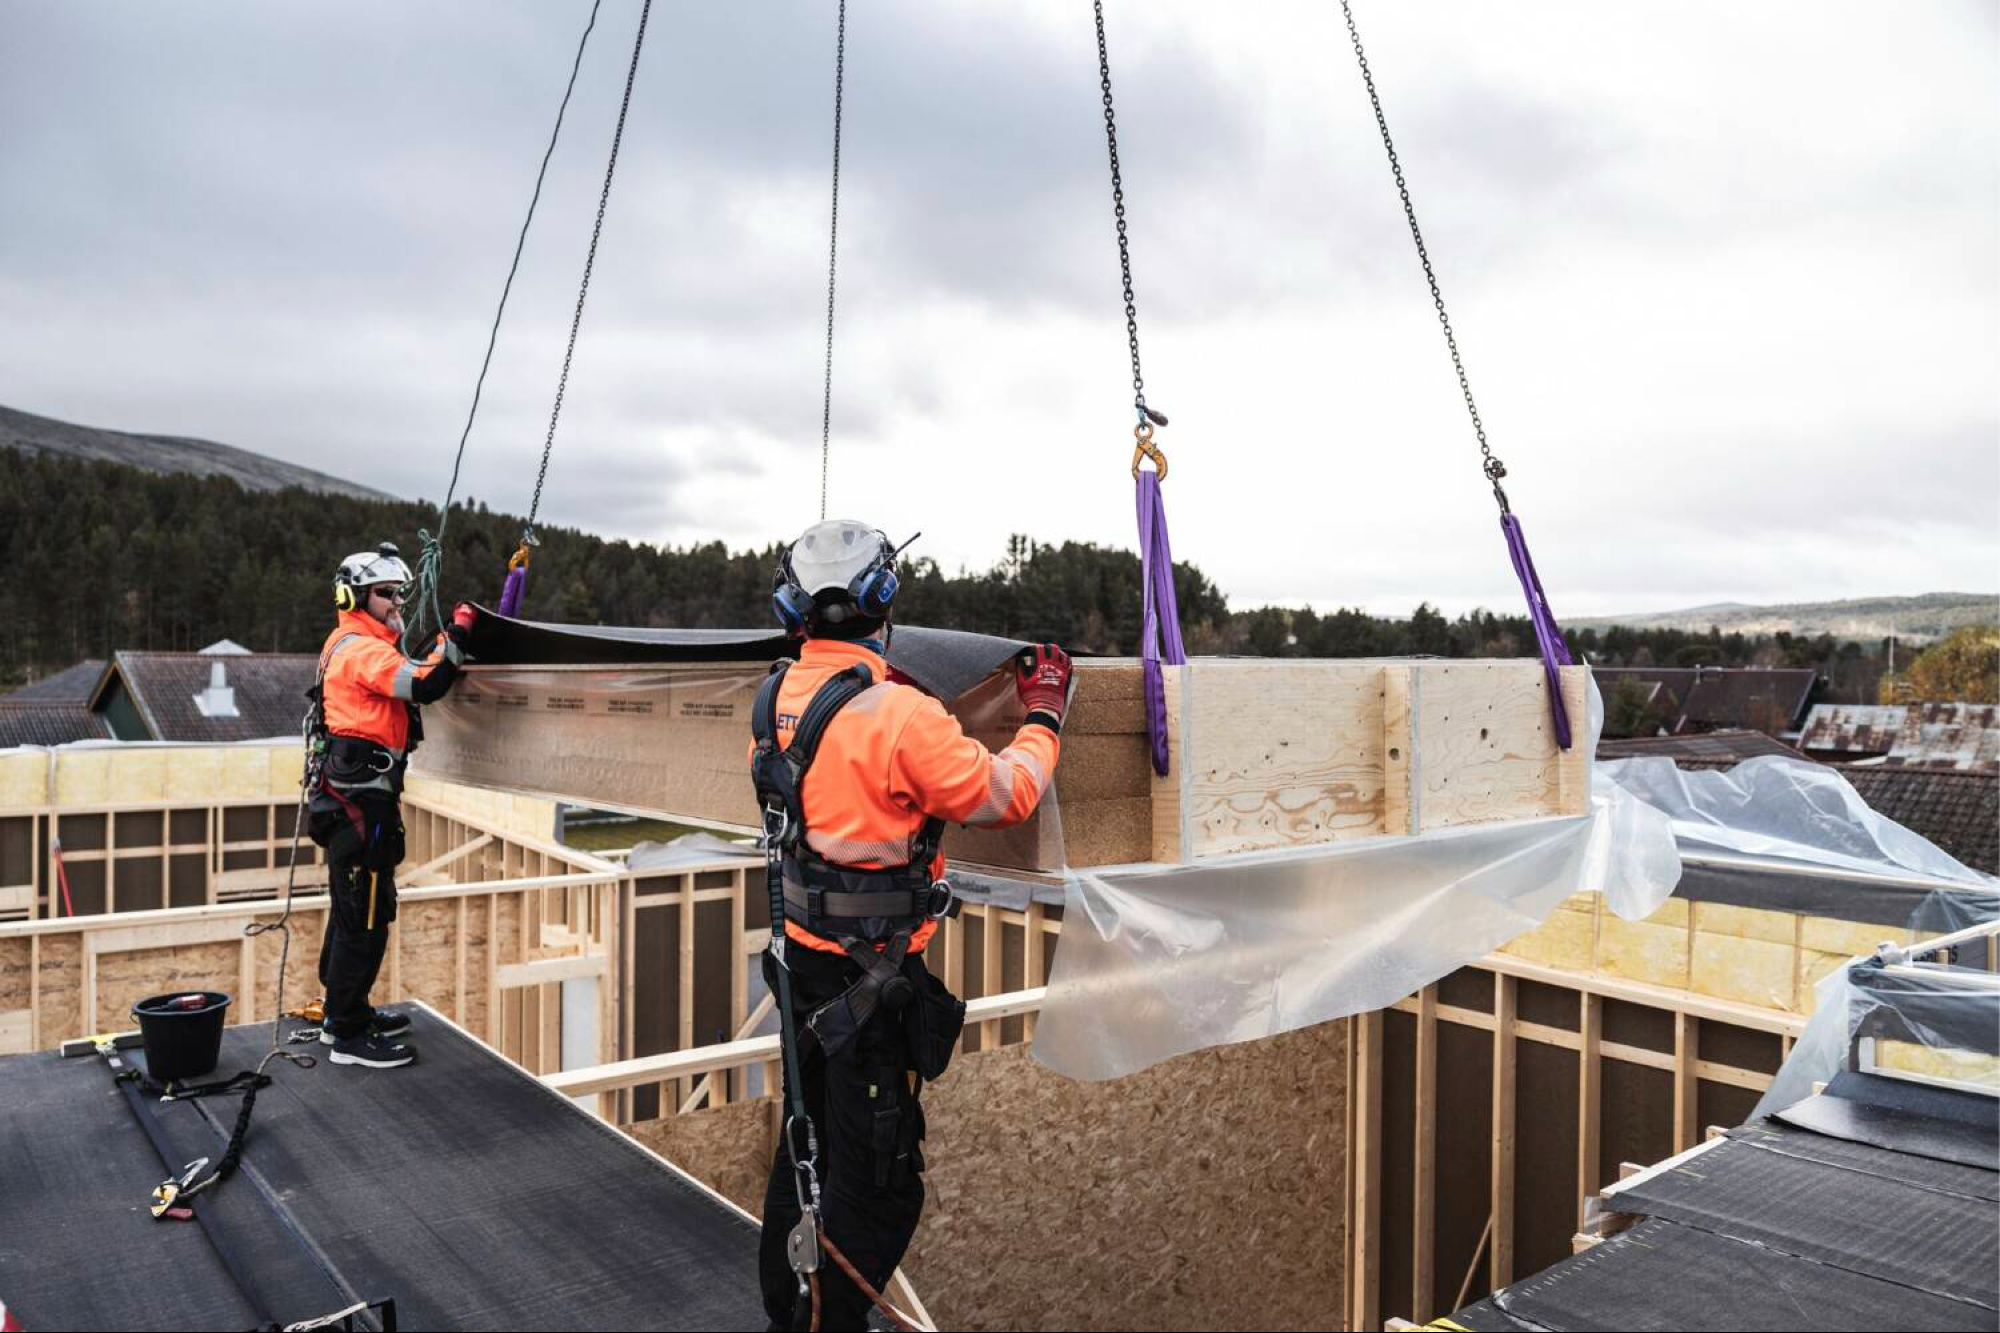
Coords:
pixel 866 1108
pixel 357 935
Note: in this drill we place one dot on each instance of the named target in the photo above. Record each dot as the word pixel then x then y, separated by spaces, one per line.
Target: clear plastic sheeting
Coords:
pixel 1160 960
pixel 1785 811
pixel 1900 1014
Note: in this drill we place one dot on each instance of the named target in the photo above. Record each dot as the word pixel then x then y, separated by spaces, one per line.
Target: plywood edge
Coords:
pixel 1170 840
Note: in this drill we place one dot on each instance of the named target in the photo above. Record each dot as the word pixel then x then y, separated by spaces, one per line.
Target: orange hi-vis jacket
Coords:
pixel 369 683
pixel 892 758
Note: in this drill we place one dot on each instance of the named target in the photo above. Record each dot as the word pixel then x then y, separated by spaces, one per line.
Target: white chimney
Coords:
pixel 219 699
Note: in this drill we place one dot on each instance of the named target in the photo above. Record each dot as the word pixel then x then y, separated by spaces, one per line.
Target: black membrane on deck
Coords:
pixel 460 1186
pixel 1869 1206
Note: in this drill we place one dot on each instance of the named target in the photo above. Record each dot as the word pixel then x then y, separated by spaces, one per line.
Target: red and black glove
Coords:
pixel 1043 678
pixel 462 618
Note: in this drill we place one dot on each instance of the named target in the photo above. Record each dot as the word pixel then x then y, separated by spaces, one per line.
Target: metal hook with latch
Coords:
pixel 1145 449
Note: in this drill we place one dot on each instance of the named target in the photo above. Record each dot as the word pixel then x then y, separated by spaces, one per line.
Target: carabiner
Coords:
pixel 1145 448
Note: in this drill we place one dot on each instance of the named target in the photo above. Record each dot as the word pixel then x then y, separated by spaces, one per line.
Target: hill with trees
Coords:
pixel 103 556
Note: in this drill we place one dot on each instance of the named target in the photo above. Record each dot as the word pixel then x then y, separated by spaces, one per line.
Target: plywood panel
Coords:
pixel 1285 754
pixel 1485 743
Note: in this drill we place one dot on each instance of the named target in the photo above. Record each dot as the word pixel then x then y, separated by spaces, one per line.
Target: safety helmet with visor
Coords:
pixel 366 570
pixel 838 578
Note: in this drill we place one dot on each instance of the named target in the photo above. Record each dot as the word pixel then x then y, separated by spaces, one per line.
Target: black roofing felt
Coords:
pixel 1777 1226
pixel 945 662
pixel 1894 1230
pixel 1911 1120
pixel 461 1187
pixel 1660 1275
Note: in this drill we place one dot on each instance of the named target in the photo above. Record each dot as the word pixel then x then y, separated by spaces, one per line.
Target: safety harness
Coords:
pixel 856 908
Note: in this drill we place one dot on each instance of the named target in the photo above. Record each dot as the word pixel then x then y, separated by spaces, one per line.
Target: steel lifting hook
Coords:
pixel 1145 448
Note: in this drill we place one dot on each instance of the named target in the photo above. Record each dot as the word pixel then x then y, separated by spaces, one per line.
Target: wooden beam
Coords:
pixel 437 863
pixel 543 971
pixel 1502 1270
pixel 1589 1098
pixel 990 980
pixel 705 1090
pixel 1687 1054
pixel 1365 1274
pixel 741 1054
pixel 1424 1192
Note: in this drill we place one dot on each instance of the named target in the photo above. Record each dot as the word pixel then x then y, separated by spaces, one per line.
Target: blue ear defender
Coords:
pixel 875 590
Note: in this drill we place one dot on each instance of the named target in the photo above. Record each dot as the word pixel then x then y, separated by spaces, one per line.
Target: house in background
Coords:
pixel 222 693
pixel 225 692
pixel 1676 701
pixel 1952 736
pixel 55 710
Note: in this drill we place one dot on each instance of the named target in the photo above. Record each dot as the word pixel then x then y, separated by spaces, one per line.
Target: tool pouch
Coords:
pixel 834 1026
pixel 935 1018
pixel 359 828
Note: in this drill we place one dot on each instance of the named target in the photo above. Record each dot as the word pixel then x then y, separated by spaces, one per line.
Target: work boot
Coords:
pixel 384 1024
pixel 375 1052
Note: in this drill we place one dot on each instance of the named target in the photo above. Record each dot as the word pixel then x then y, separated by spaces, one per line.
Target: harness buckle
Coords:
pixel 941 902
pixel 777 823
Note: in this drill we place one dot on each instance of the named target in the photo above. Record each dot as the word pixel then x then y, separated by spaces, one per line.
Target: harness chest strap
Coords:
pixel 820 895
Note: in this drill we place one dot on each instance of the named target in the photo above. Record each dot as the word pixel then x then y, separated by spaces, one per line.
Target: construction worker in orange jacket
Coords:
pixel 369 694
pixel 863 887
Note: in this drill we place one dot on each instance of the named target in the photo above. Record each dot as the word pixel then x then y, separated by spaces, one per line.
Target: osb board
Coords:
pixel 727 1148
pixel 16 984
pixel 61 975
pixel 427 938
pixel 1201 1193
pixel 301 964
pixel 123 979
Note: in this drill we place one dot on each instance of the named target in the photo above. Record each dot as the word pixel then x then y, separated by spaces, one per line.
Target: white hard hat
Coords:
pixel 837 571
pixel 367 569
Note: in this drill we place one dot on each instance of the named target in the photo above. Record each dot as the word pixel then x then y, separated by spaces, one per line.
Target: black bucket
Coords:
pixel 183 1033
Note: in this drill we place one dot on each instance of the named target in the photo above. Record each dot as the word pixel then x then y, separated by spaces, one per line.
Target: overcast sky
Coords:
pixel 1726 276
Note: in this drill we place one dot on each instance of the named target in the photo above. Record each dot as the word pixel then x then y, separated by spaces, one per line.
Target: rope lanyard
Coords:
pixel 430 552
pixel 1160 616
pixel 1548 636
pixel 832 256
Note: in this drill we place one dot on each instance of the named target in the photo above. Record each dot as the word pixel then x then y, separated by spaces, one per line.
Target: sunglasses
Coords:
pixel 390 592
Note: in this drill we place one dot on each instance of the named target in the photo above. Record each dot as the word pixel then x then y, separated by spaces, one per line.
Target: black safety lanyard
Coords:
pixel 802 1246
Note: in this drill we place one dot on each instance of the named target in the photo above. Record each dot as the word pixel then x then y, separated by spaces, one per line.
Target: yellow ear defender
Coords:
pixel 343 596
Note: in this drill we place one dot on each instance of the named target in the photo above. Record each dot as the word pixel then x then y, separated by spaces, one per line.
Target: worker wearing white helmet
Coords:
pixel 367 725
pixel 858 773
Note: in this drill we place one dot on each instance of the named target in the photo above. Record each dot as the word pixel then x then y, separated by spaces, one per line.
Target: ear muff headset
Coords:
pixel 344 596
pixel 869 594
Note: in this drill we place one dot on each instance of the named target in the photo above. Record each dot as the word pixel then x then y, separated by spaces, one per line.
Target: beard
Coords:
pixel 394 620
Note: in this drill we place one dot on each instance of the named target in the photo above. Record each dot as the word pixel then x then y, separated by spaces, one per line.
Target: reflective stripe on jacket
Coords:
pixel 893 757
pixel 369 683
